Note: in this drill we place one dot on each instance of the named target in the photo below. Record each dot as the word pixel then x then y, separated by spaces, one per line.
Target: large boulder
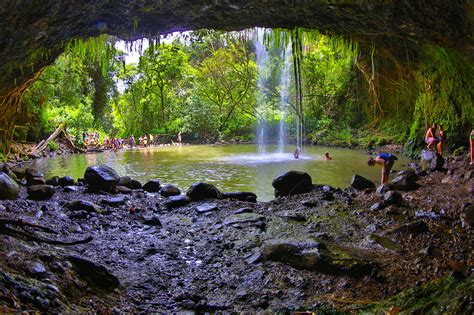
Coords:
pixel 360 183
pixel 152 186
pixel 170 190
pixel 40 192
pixel 200 191
pixel 405 182
pixel 292 183
pixel 432 160
pixel 8 187
pixel 101 177
pixel 31 173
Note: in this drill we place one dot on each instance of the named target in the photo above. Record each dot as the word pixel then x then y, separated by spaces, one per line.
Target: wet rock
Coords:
pixel 19 172
pixel 241 196
pixel 432 160
pixel 467 216
pixel 66 181
pixel 415 227
pixel 294 216
pixel 291 183
pixel 427 214
pixel 200 191
pixel 392 198
pixel 310 203
pixel 130 183
pixel 382 189
pixel 243 210
pixel 170 190
pixel 177 201
pixel 315 256
pixel 377 206
pixel 36 268
pixel 31 173
pixel 383 242
pixel 152 221
pixel 246 218
pixel 102 178
pixel 152 186
pixel 8 187
pixel 53 181
pixel 124 190
pixel 405 182
pixel 40 192
pixel 113 202
pixel 70 189
pixel 78 205
pixel 360 183
pixel 98 277
pixel 207 207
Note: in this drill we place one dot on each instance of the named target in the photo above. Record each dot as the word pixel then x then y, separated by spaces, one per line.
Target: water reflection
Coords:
pixel 230 168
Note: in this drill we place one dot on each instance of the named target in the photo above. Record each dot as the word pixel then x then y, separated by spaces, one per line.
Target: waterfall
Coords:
pixel 285 83
pixel 261 55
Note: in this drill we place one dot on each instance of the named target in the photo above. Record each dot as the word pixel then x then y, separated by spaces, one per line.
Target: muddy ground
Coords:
pixel 145 256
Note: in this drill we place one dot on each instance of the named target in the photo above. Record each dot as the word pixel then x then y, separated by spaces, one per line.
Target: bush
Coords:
pixel 53 146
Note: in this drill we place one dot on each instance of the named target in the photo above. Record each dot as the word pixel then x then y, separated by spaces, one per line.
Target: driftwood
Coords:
pixel 44 143
pixel 30 236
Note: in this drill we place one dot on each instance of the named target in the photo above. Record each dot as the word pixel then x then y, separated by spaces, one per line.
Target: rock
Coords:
pixel 102 178
pixel 327 196
pixel 70 189
pixel 432 160
pixel 360 183
pixel 405 182
pixel 19 172
pixel 130 183
pixel 314 256
pixel 36 181
pixel 310 203
pixel 53 181
pixel 469 174
pixel 415 227
pixel 124 190
pixel 36 268
pixel 66 181
pixel 177 201
pixel 291 183
pixel 382 189
pixel 152 186
pixel 467 217
pixel 78 205
pixel 8 187
pixel 113 202
pixel 392 198
pixel 207 207
pixel 152 221
pixel 170 190
pixel 95 275
pixel 383 242
pixel 294 216
pixel 200 191
pixel 32 172
pixel 242 218
pixel 243 210
pixel 40 192
pixel 241 196
pixel 377 206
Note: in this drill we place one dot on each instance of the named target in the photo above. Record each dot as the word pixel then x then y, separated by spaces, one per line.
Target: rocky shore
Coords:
pixel 107 243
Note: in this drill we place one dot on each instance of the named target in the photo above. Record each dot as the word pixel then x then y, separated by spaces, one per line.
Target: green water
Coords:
pixel 230 168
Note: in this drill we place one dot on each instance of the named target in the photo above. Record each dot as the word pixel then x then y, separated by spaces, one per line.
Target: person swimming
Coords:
pixel 386 160
pixel 326 156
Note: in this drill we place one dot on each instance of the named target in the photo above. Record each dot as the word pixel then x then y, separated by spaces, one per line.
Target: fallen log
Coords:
pixel 43 144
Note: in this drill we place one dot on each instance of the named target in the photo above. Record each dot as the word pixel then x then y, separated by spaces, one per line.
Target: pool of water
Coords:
pixel 230 168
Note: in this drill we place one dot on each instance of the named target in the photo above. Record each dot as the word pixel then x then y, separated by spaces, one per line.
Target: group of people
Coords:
pixel 144 141
pixel 435 138
pixel 113 143
pixel 91 138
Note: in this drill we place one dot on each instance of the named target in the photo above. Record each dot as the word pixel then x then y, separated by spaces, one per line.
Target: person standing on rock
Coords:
pixel 430 137
pixel 386 160
pixel 441 137
pixel 471 138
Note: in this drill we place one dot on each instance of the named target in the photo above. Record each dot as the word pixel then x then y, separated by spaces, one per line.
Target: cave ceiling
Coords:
pixel 34 33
